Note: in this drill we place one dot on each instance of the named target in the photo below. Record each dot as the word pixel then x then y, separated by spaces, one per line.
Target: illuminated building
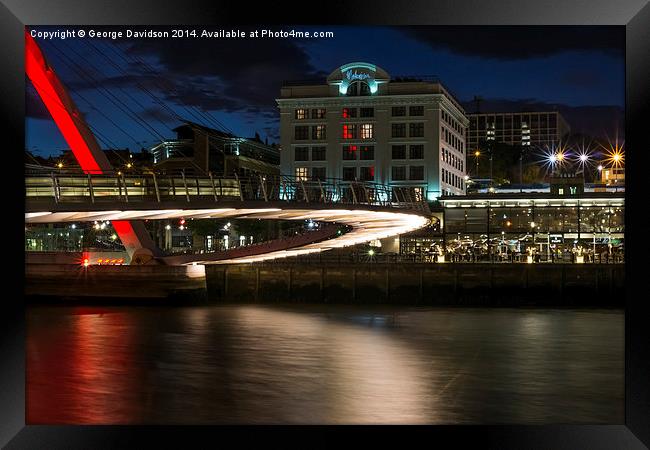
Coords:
pixel 552 226
pixel 537 129
pixel 567 184
pixel 610 176
pixel 200 149
pixel 362 124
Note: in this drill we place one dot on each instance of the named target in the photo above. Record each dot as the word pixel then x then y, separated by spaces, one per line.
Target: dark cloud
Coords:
pixel 595 121
pixel 159 114
pixel 582 78
pixel 232 76
pixel 229 75
pixel 521 42
pixel 243 77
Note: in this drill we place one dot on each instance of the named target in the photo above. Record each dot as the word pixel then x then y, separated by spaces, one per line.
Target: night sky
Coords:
pixel 577 70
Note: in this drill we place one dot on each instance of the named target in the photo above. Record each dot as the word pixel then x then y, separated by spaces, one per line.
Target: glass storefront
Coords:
pixel 476 230
pixel 71 237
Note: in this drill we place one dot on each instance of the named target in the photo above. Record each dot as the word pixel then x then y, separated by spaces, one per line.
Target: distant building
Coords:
pixel 362 124
pixel 537 129
pixel 34 160
pixel 200 149
pixel 567 185
pixel 547 226
pixel 120 159
pixel 611 176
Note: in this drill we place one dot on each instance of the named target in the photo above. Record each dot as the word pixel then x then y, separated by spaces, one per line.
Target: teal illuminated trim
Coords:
pixel 359 65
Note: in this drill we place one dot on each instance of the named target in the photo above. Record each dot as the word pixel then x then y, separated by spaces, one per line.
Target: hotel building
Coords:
pixel 361 124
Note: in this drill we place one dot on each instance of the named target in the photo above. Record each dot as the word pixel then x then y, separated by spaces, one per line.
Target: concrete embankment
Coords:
pixel 412 284
pixel 75 282
pixel 421 284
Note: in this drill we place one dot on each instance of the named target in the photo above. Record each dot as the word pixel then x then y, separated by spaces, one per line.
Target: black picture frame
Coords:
pixel 634 15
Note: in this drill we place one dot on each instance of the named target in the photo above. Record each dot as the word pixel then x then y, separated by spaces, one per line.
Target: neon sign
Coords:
pixel 358 72
pixel 354 75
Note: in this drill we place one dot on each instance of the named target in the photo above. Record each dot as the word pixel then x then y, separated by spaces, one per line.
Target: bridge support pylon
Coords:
pixel 76 132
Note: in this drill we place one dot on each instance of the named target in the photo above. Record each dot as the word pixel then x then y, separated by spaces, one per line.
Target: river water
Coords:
pixel 323 364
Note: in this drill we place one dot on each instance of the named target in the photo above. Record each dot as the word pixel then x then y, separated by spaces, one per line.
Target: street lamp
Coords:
pixel 600 172
pixel 477 153
pixel 584 158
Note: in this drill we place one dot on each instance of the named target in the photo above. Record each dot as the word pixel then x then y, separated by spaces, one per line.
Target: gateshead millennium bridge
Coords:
pixel 370 210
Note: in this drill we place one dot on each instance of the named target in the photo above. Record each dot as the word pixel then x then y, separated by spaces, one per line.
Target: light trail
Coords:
pixel 367 225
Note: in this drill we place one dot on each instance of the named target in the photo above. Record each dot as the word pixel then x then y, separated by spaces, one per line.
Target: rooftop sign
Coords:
pixel 350 73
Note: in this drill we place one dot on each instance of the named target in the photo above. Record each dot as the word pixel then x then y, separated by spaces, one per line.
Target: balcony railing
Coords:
pixel 66 187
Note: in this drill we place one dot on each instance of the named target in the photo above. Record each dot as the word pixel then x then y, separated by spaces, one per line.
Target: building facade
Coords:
pixel 201 149
pixel 613 176
pixel 549 227
pixel 359 124
pixel 537 129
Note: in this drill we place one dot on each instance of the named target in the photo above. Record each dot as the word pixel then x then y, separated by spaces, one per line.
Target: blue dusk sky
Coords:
pixel 133 91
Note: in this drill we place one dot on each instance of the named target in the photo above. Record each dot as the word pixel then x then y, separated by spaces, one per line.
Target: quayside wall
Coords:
pixel 420 284
pixel 359 283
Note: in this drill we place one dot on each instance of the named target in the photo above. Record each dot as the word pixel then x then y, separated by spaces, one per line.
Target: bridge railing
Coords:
pixel 128 188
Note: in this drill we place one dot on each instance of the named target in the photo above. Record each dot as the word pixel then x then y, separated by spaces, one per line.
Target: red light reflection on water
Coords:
pixel 75 369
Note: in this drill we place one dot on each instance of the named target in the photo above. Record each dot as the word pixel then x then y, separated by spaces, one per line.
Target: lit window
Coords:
pixel 349 131
pixel 302 173
pixel 318 132
pixel 349 112
pixel 367 131
pixel 302 114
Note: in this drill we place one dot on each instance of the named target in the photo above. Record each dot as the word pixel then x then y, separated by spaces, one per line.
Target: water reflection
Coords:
pixel 322 364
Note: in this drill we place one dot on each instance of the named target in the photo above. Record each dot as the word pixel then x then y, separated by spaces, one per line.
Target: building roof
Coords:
pixel 208 130
pixel 521 199
pixel 374 76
